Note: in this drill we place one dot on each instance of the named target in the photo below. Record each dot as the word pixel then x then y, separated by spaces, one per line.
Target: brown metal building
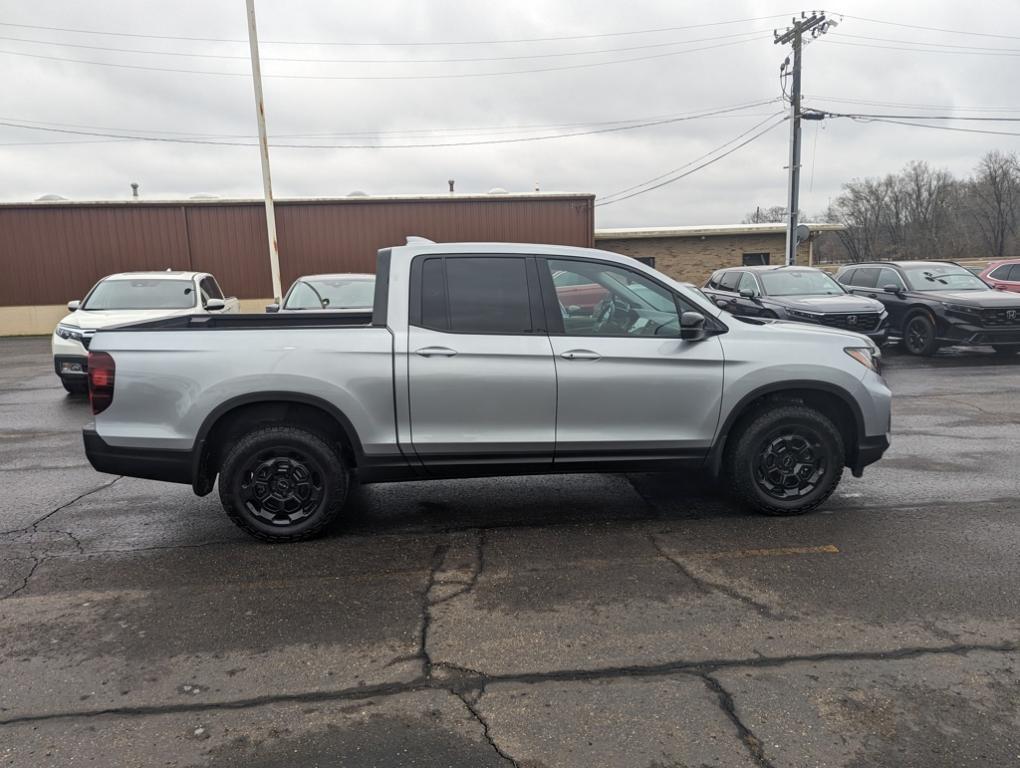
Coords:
pixel 51 252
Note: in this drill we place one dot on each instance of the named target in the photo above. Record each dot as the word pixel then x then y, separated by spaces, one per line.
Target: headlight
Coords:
pixel 961 308
pixel 70 332
pixel 804 314
pixel 869 357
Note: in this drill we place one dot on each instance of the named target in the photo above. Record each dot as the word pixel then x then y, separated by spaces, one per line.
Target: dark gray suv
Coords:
pixel 801 294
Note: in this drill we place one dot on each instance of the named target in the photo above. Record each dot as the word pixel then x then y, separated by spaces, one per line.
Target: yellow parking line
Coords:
pixel 825 549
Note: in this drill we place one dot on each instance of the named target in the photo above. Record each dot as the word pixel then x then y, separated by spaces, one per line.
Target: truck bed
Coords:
pixel 251 322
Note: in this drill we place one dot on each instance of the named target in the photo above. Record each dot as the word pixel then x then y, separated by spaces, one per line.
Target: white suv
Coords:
pixel 129 297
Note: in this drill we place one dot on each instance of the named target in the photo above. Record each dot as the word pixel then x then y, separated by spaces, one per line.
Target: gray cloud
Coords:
pixel 67 93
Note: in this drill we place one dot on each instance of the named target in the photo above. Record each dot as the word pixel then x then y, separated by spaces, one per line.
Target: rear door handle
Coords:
pixel 436 352
pixel 580 354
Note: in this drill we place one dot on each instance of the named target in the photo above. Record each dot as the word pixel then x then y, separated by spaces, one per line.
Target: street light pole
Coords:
pixel 267 182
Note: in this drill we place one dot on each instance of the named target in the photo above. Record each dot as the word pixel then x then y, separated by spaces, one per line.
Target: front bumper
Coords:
pixel 71 366
pixel 957 330
pixel 148 463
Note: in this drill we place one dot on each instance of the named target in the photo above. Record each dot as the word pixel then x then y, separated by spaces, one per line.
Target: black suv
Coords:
pixel 802 294
pixel 936 303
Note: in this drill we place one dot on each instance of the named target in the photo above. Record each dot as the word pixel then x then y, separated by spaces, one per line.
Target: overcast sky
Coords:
pixel 738 65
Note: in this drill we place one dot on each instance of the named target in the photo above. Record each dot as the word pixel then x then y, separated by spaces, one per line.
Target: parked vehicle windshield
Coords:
pixel 943 278
pixel 336 293
pixel 799 283
pixel 141 294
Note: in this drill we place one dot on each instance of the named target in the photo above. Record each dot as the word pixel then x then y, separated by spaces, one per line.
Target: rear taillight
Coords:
pixel 101 376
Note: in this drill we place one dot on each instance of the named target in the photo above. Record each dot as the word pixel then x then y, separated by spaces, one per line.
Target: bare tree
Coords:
pixel 775 214
pixel 994 200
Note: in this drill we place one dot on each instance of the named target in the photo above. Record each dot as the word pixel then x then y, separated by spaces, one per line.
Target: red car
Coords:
pixel 1003 275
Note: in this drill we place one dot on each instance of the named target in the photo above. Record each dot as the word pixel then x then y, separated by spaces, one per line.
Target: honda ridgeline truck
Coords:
pixel 470 364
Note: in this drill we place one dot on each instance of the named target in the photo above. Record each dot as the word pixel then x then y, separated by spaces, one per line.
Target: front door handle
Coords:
pixel 580 354
pixel 436 352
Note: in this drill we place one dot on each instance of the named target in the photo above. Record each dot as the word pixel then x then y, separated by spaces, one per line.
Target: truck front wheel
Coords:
pixel 786 460
pixel 283 484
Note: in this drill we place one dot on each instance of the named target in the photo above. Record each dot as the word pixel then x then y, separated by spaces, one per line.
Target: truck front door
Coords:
pixel 629 388
pixel 481 376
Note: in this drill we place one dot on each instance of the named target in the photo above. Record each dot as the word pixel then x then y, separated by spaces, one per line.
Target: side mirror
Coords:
pixel 747 293
pixel 73 305
pixel 215 305
pixel 692 326
pixel 997 286
pixel 891 289
pixel 272 308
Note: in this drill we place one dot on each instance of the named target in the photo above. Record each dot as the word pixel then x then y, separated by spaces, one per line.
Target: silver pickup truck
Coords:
pixel 477 360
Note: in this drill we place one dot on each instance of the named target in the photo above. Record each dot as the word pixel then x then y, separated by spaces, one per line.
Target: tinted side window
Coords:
pixel 748 283
pixel 433 295
pixel 488 295
pixel 209 289
pixel 1001 273
pixel 1015 274
pixel 888 276
pixel 847 278
pixel 866 277
pixel 729 281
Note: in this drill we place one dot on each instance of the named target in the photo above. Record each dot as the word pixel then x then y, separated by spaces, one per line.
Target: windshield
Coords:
pixel 943 278
pixel 337 293
pixel 799 283
pixel 141 294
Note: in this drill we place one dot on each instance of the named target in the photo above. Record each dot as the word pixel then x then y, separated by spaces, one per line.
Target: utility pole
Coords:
pixel 815 24
pixel 267 182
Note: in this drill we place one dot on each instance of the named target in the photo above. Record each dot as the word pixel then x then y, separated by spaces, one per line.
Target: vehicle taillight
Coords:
pixel 101 376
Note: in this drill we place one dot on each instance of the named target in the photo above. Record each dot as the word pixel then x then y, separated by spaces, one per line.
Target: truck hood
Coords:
pixel 991 299
pixel 104 319
pixel 826 304
pixel 788 328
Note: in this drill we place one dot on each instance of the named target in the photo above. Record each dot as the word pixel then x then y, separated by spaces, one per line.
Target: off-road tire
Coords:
pixel 272 457
pixel 749 450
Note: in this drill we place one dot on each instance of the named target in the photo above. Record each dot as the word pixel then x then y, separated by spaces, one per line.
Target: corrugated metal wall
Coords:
pixel 51 253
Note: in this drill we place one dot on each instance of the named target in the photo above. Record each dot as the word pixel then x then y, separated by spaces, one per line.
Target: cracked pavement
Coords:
pixel 637 620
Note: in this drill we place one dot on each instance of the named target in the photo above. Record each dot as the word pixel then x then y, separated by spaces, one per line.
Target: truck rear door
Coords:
pixel 481 377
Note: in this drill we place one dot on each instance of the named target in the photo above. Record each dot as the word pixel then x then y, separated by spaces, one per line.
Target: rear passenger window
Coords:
pixel 866 277
pixel 1014 276
pixel 729 281
pixel 433 295
pixel 484 294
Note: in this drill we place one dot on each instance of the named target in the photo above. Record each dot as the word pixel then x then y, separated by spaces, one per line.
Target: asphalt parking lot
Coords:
pixel 638 620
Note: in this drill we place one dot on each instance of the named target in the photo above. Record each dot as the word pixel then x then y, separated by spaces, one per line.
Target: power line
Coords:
pixel 697 159
pixel 395 44
pixel 867 116
pixel 319 60
pixel 696 168
pixel 925 42
pixel 733 110
pixel 910 105
pixel 209 142
pixel 930 29
pixel 863 119
pixel 449 76
pixel 1004 52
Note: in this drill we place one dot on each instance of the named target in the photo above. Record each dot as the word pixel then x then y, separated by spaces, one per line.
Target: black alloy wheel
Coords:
pixel 791 462
pixel 919 335
pixel 283 484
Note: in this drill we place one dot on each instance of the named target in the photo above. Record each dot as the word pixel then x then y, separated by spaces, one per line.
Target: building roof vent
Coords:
pixel 50 198
pixel 498 191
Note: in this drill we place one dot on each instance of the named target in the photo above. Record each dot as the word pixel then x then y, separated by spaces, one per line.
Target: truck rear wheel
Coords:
pixel 283 484
pixel 786 460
